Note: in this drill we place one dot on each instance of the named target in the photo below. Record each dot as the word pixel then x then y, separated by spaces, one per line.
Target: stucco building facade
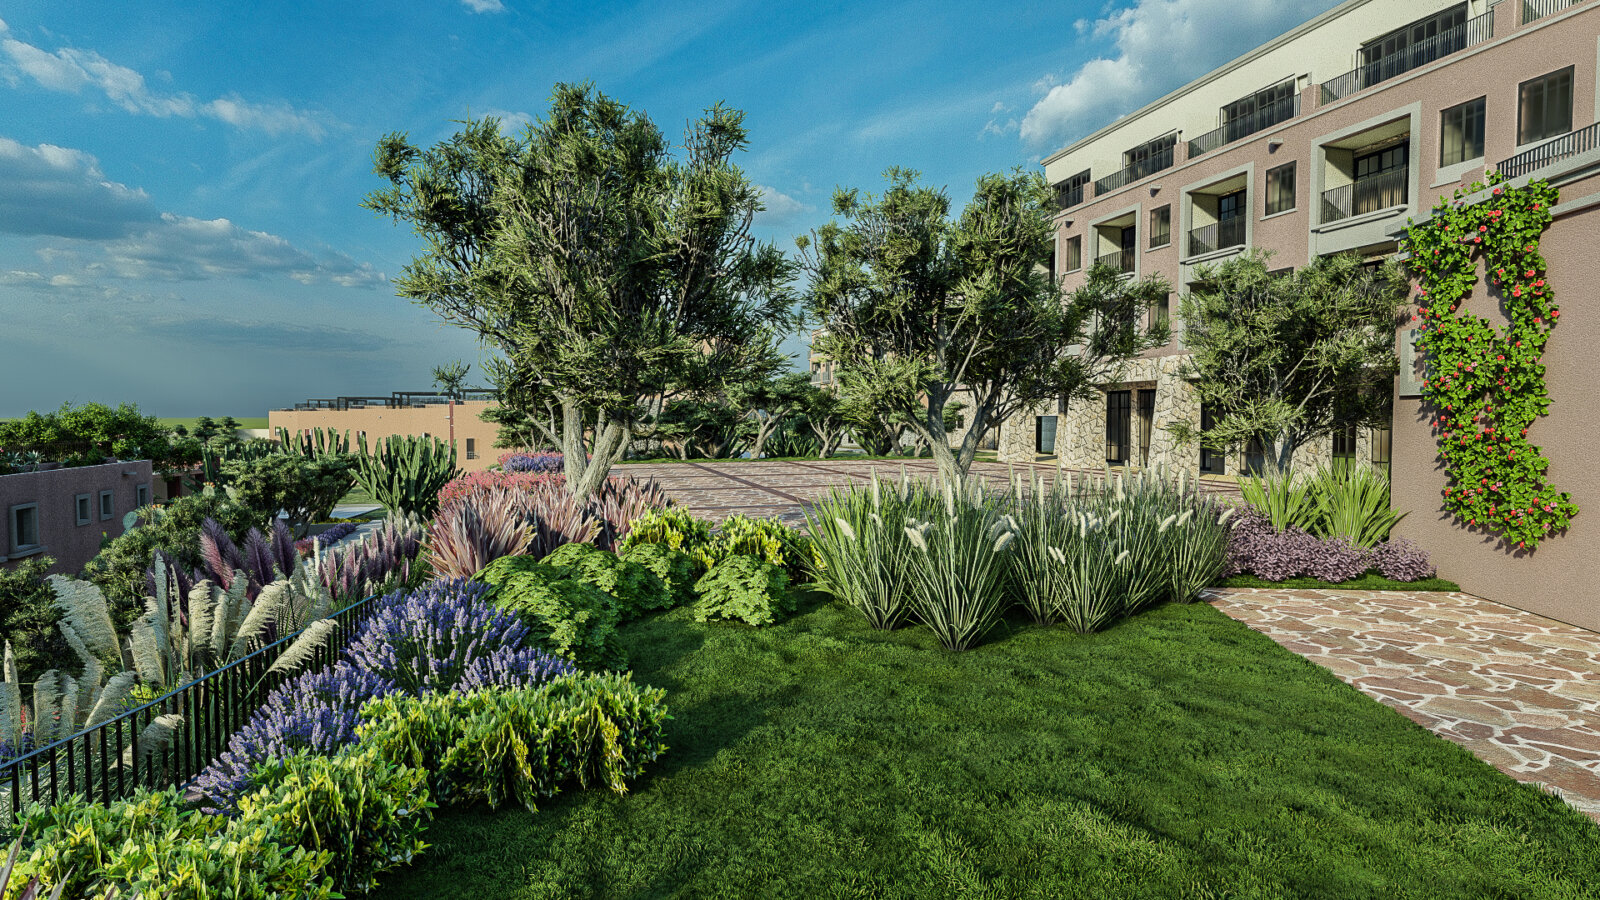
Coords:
pixel 457 422
pixel 1328 140
pixel 64 513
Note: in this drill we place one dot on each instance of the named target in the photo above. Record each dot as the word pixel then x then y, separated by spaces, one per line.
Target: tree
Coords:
pixel 451 378
pixel 88 434
pixel 1287 359
pixel 767 403
pixel 606 273
pixel 917 308
pixel 1106 314
pixel 825 419
pixel 305 487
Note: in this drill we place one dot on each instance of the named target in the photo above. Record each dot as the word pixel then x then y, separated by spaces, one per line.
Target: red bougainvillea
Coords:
pixel 1485 385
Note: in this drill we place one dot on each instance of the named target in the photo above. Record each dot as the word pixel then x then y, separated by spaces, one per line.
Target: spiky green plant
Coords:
pixel 405 474
pixel 1353 503
pixel 1286 501
pixel 860 548
pixel 957 563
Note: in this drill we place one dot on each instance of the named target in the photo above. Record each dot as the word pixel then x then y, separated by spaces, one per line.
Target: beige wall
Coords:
pixel 458 421
pixel 56 493
pixel 1561 579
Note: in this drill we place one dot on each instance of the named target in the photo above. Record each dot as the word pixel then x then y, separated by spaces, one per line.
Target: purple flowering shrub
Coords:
pixel 1255 548
pixel 426 640
pixel 1401 560
pixel 540 462
pixel 314 712
pixel 441 638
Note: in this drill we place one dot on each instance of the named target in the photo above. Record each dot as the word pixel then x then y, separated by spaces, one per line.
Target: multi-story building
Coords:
pixel 1328 140
pixel 65 512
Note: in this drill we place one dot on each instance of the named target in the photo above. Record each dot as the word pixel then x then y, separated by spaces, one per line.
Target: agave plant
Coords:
pixel 1286 501
pixel 1353 504
pixel 405 474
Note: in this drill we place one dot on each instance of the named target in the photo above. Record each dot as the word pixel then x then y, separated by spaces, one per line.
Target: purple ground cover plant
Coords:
pixel 540 462
pixel 1254 548
pixel 1401 560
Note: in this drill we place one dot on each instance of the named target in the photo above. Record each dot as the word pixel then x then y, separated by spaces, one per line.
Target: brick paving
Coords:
pixel 1520 691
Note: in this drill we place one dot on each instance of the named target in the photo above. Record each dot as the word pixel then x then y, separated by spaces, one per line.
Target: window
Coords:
pixel 1461 133
pixel 1544 107
pixel 81 504
pixel 24 527
pixel 472 448
pixel 1212 461
pixel 1069 193
pixel 1344 448
pixel 1160 312
pixel 1415 45
pixel 108 505
pixel 1074 254
pixel 1255 456
pixel 1160 226
pixel 141 495
pixel 1382 441
pixel 1263 109
pixel 1280 189
pixel 1119 416
pixel 1147 419
pixel 1152 156
pixel 1231 206
pixel 1381 178
pixel 1044 434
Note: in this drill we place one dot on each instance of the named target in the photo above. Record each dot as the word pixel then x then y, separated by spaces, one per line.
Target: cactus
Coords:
pixel 317 442
pixel 405 474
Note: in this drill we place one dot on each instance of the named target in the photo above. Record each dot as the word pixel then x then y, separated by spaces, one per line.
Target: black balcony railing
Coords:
pixel 1121 260
pixel 1581 141
pixel 107 761
pixel 1366 195
pixel 1069 195
pixel 1473 31
pixel 1222 235
pixel 1533 10
pixel 1147 166
pixel 1244 126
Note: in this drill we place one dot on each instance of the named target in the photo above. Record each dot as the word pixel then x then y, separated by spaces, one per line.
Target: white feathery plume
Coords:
pixel 1167 523
pixel 1226 515
pixel 844 528
pixel 155 738
pixel 147 660
pixel 84 608
pixel 1184 519
pixel 111 699
pixel 1058 556
pixel 916 538
pixel 202 608
pixel 304 647
pixel 1004 541
pixel 1122 557
pixel 877 491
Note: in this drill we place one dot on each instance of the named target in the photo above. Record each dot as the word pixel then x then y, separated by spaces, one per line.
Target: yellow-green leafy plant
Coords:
pixel 568 618
pixel 769 539
pixel 673 526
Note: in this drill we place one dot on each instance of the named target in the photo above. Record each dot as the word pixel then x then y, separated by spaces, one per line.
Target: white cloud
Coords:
pixel 50 190
pixel 1159 46
pixel 781 209
pixel 484 6
pixel 71 70
pixel 182 248
pixel 511 123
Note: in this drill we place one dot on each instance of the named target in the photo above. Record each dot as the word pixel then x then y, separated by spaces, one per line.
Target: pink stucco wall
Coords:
pixel 56 492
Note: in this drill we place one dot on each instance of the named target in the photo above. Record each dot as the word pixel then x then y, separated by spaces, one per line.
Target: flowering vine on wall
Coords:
pixel 1485 384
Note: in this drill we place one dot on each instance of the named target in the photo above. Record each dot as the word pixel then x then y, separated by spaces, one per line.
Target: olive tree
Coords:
pixel 606 271
pixel 1287 359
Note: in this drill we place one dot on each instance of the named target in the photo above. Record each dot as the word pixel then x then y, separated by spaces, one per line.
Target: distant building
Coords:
pixel 407 413
pixel 64 513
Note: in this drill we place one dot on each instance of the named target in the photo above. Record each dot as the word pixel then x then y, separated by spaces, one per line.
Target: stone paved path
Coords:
pixel 1520 691
pixel 715 489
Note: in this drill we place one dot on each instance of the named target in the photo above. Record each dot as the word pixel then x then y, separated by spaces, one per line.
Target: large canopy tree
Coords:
pixel 917 309
pixel 606 272
pixel 1286 359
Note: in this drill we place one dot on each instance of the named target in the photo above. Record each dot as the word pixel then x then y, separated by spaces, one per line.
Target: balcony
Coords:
pixel 1244 126
pixel 1150 165
pixel 1121 260
pixel 1552 151
pixel 1473 31
pixel 1366 195
pixel 1220 236
pixel 1533 10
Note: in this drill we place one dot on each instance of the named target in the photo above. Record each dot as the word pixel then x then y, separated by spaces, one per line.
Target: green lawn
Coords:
pixel 982 456
pixel 1367 582
pixel 1177 755
pixel 244 421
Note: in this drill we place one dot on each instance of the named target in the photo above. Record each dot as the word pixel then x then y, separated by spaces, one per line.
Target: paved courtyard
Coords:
pixel 1520 691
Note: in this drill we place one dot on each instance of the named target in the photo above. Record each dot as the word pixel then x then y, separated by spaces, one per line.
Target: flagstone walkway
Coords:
pixel 1520 691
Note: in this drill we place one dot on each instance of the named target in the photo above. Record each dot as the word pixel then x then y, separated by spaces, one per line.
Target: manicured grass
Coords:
pixel 1367 582
pixel 1179 754
pixel 244 421
pixel 837 457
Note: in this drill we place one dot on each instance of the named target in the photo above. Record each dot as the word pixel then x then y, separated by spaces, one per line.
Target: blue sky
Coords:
pixel 180 182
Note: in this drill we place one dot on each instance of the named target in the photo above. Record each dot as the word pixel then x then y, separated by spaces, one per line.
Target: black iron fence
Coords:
pixel 1159 161
pixel 1121 260
pixel 1069 195
pixel 1571 144
pixel 1533 10
pixel 121 755
pixel 1473 31
pixel 1366 195
pixel 1242 127
pixel 1211 238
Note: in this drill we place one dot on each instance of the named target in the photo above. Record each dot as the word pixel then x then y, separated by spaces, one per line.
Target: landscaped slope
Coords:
pixel 1178 754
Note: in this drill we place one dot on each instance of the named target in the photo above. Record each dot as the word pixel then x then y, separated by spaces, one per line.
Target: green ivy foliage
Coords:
pixel 1486 385
pixel 635 588
pixel 745 588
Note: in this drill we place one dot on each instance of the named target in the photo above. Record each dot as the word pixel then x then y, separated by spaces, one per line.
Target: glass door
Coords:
pixel 1119 409
pixel 1147 417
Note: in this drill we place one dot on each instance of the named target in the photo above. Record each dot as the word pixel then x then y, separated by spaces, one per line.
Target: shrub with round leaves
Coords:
pixel 676 569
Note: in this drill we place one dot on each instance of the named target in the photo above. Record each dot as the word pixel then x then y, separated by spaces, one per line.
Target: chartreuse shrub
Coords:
pixel 1485 386
pixel 368 812
pixel 767 539
pixel 673 527
pixel 150 844
pixel 635 588
pixel 745 588
pixel 677 570
pixel 567 617
pixel 500 746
